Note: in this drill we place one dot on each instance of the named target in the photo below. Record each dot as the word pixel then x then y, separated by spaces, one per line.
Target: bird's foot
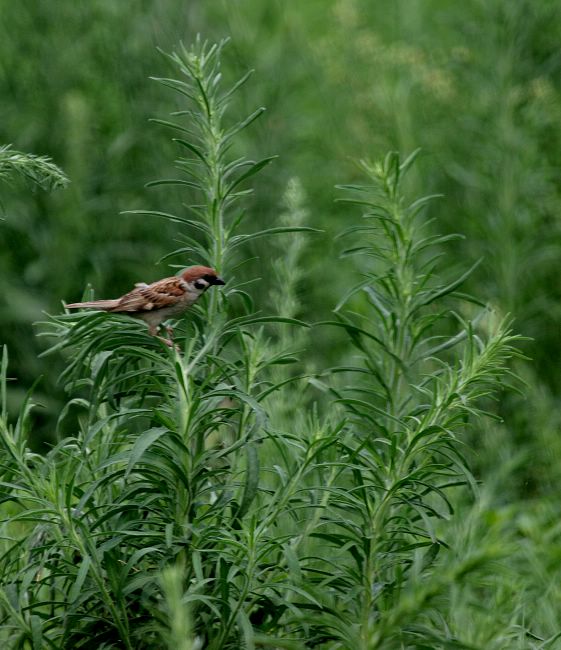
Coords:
pixel 169 342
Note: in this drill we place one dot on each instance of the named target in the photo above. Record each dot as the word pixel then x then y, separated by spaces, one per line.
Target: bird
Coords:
pixel 154 303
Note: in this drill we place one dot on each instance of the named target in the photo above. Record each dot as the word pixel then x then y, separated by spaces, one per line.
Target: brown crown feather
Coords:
pixel 196 272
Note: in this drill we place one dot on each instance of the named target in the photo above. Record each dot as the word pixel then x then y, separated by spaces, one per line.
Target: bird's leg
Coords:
pixel 169 340
pixel 153 331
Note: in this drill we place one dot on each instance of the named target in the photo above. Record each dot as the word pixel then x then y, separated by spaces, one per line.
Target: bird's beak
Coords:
pixel 218 280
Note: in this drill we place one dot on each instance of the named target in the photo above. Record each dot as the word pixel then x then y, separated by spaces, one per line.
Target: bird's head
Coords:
pixel 200 278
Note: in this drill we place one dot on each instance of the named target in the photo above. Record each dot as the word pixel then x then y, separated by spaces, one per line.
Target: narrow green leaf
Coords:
pixel 254 169
pixel 175 181
pixel 37 631
pixel 406 164
pixel 80 578
pixel 251 481
pixel 280 230
pixel 141 445
pixel 244 124
pixel 431 296
pixel 193 149
pixel 4 381
pixel 156 213
pixel 222 100
pixel 246 629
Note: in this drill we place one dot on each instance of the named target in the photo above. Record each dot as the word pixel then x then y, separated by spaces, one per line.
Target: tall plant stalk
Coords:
pixel 422 371
pixel 164 459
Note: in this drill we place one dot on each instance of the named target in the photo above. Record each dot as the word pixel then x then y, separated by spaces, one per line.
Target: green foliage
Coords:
pixel 38 169
pixel 187 509
pixel 239 488
pixel 180 427
pixel 407 402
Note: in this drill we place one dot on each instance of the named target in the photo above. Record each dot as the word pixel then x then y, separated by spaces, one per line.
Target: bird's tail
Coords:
pixel 104 305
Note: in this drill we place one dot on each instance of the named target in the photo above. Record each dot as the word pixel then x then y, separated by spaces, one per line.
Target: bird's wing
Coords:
pixel 158 295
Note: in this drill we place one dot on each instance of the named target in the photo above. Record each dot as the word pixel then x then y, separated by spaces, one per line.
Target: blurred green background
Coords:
pixel 475 84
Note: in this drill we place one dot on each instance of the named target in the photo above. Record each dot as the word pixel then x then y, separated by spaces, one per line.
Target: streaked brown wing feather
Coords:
pixel 159 295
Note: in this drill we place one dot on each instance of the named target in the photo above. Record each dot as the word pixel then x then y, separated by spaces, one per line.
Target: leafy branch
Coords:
pixel 421 371
pixel 40 170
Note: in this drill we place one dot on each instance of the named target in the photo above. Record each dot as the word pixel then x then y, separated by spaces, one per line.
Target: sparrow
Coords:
pixel 154 303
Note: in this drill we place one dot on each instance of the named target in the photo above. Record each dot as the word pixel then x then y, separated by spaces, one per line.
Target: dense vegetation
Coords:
pixel 356 442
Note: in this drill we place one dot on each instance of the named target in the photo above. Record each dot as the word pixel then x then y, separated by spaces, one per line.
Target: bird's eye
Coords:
pixel 200 284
